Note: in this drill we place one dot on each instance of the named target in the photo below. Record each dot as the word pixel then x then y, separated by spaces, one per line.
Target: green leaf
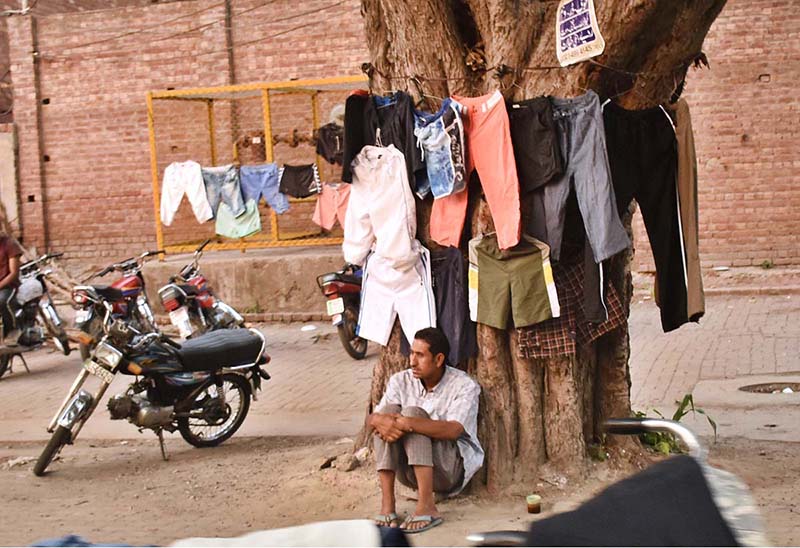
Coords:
pixel 663 447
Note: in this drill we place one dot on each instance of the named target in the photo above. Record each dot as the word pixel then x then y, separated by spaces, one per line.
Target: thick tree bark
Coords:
pixel 533 412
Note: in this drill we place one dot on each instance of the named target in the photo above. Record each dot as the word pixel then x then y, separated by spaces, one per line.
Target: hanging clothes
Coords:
pixel 642 152
pixel 449 273
pixel 330 143
pixel 381 121
pixel 388 293
pixel 222 186
pixel 184 178
pixel 536 143
pixel 381 213
pixel 440 138
pixel 687 198
pixel 246 224
pixel 491 154
pixel 516 283
pixel 564 335
pixel 262 180
pixel 583 143
pixel 379 233
pixel 331 204
pixel 299 181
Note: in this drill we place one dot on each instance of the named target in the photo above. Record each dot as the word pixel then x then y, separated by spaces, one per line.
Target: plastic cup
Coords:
pixel 534 504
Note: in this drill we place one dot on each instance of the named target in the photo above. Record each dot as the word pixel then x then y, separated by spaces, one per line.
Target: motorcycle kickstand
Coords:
pixel 22 359
pixel 160 434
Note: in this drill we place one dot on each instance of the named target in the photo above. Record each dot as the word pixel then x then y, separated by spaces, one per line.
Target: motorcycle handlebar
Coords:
pixel 203 245
pixel 170 342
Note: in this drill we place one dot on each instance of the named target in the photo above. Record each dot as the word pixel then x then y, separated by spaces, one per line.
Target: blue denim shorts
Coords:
pixel 222 185
pixel 262 180
pixel 440 137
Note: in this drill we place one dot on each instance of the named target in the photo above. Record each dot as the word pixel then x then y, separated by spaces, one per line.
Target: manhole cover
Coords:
pixel 772 388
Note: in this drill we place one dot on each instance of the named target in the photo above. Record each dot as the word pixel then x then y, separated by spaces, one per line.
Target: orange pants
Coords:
pixel 331 203
pixel 490 152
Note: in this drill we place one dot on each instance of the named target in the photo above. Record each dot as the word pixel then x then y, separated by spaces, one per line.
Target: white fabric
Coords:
pixel 381 214
pixel 180 178
pixel 387 292
pixel 455 398
pixel 356 532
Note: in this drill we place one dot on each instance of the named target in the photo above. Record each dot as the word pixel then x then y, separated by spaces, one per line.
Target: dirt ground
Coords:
pixel 121 491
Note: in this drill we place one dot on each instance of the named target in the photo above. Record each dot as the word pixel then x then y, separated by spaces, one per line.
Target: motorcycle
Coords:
pixel 192 306
pixel 127 296
pixel 34 313
pixel 201 388
pixel 343 291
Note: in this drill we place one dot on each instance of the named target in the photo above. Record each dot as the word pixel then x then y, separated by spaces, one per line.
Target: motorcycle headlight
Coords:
pixel 107 355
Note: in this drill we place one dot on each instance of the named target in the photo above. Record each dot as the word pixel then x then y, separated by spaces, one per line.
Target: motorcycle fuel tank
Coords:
pixel 129 285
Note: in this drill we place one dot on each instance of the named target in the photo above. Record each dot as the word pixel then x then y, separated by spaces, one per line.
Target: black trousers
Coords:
pixel 642 153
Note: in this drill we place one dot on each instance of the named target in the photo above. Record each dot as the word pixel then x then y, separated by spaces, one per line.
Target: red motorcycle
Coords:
pixel 192 306
pixel 343 291
pixel 127 297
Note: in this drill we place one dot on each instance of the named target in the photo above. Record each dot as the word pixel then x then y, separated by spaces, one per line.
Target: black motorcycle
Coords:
pixel 34 314
pixel 201 388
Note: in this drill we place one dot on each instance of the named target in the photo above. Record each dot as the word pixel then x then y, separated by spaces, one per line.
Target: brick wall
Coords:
pixel 97 195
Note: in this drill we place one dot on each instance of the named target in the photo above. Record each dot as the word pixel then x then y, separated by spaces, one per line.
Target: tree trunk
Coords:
pixel 533 412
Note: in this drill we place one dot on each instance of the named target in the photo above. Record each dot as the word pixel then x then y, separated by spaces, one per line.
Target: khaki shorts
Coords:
pixel 516 283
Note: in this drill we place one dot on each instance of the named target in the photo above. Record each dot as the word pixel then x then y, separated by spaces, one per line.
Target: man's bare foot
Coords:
pixel 418 522
pixel 390 519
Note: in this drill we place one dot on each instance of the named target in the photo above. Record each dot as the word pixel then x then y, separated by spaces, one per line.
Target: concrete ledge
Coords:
pixel 785 290
pixel 278 284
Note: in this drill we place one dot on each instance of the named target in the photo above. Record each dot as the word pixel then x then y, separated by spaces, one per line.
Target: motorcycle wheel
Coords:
pixel 198 432
pixel 58 440
pixel 5 361
pixel 355 346
pixel 95 329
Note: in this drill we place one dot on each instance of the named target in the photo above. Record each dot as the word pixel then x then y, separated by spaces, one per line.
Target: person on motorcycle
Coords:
pixel 427 432
pixel 9 279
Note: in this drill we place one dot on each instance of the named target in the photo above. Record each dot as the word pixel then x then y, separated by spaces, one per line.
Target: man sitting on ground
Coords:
pixel 426 426
pixel 9 279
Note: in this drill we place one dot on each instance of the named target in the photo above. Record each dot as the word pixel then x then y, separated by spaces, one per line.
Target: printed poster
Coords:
pixel 578 36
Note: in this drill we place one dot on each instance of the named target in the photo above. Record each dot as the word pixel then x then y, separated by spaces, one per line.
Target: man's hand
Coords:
pixel 386 425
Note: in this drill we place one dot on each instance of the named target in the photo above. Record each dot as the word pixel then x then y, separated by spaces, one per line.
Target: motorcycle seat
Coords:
pixel 222 348
pixel 108 293
pixel 188 289
pixel 339 277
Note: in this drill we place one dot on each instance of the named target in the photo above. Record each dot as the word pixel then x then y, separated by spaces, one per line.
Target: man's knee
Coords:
pixel 415 412
pixel 388 409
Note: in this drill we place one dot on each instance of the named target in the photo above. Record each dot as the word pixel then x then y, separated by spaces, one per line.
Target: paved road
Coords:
pixel 316 389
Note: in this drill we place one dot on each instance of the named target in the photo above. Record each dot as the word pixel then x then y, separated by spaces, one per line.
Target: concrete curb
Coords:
pixel 748 290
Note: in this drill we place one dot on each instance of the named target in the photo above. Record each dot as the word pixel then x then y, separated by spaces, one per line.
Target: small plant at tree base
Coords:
pixel 666 443
pixel 767 264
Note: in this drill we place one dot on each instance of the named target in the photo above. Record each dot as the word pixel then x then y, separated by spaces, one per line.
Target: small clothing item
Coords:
pixel 563 335
pixel 642 150
pixel 454 398
pixel 440 138
pixel 355 137
pixel 516 283
pixel 299 181
pixel 419 450
pixel 536 143
pixel 222 186
pixel 381 214
pixel 262 180
pixel 331 204
pixel 687 200
pixel 449 272
pixel 246 224
pixel 492 155
pixel 580 124
pixel 8 250
pixel 330 143
pixel 184 178
pixel 388 292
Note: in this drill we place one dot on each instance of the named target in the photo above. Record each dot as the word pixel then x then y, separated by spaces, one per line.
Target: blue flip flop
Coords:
pixel 431 523
pixel 386 520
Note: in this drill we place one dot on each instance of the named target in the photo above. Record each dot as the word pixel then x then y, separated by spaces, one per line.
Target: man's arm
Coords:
pixel 13 272
pixel 439 430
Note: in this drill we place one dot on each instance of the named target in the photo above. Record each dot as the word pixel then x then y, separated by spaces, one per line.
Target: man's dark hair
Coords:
pixel 436 339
